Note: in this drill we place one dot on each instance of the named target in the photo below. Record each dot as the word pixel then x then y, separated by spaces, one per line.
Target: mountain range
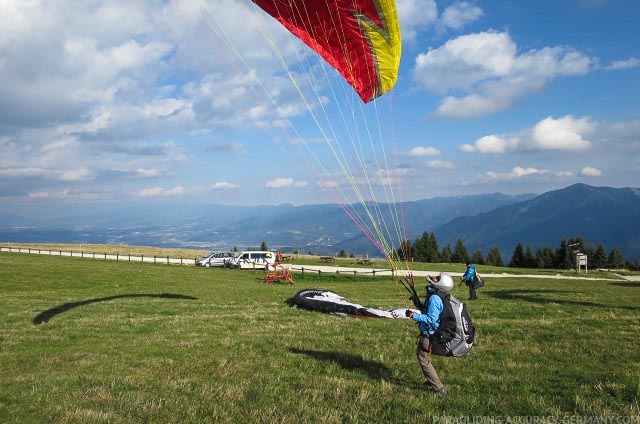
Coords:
pixel 605 215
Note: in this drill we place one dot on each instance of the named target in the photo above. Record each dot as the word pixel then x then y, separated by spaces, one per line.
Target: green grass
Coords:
pixel 99 341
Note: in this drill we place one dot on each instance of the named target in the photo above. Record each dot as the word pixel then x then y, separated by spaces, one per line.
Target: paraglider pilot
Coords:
pixel 429 321
pixel 469 278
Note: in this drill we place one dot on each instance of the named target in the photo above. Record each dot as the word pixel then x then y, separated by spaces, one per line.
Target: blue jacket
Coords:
pixel 428 319
pixel 470 274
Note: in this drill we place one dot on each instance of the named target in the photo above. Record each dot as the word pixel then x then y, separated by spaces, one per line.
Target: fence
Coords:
pixel 324 270
pixel 320 270
pixel 106 256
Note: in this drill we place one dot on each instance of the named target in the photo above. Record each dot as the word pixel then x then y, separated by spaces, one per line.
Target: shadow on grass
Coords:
pixel 547 296
pixel 373 369
pixel 627 284
pixel 45 316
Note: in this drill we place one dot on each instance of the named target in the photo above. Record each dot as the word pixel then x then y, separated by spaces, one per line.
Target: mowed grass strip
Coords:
pixel 99 341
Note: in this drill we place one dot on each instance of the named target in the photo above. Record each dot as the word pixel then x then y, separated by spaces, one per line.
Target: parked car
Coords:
pixel 215 259
pixel 260 259
pixel 221 258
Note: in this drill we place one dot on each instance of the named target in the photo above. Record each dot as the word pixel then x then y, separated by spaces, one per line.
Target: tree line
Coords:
pixel 425 249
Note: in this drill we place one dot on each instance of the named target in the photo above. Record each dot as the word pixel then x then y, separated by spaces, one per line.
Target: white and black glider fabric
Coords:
pixel 332 303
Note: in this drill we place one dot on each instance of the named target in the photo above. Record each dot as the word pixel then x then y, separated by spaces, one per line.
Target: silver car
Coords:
pixel 215 259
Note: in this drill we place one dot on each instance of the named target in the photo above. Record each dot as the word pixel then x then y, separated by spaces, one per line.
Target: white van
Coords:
pixel 254 259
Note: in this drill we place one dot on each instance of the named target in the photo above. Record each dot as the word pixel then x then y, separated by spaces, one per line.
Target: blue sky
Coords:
pixel 179 102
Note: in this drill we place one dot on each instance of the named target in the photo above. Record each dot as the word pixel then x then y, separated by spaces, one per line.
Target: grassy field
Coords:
pixel 99 341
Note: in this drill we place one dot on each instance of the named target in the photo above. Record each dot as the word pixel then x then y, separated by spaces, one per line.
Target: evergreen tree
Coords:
pixel 544 258
pixel 477 257
pixel 517 259
pixel 404 251
pixel 445 256
pixel 432 249
pixel 493 257
pixel 615 260
pixel 263 246
pixel 420 248
pixel 562 257
pixel 342 254
pixel 599 258
pixel 529 260
pixel 536 256
pixel 460 254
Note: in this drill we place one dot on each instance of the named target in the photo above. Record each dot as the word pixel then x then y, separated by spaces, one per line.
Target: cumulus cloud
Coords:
pixel 516 174
pixel 489 69
pixel 460 14
pixel 563 134
pixel 632 62
pixel 441 165
pixel 104 86
pixel 421 15
pixel 589 171
pixel 147 172
pixel 416 15
pixel 235 148
pixel 283 182
pixel 423 151
pixel 224 185
pixel 76 174
pixel 162 192
pixel 279 182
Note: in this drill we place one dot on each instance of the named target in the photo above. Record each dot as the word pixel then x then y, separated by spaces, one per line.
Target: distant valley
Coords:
pixel 597 214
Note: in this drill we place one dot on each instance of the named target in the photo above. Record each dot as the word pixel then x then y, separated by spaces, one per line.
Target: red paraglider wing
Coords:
pixel 359 38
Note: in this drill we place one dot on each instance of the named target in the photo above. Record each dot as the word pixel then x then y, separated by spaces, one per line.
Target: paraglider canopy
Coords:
pixel 359 38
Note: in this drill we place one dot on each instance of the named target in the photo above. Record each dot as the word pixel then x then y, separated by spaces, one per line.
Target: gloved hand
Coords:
pixel 409 313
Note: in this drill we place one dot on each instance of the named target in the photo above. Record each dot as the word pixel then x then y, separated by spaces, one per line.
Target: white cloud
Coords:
pixel 76 174
pixel 565 134
pixel 589 171
pixel 423 151
pixel 390 177
pixel 147 172
pixel 562 134
pixel 162 192
pixel 487 144
pixel 63 194
pixel 518 173
pixel 459 14
pixel 441 165
pixel 279 182
pixel 326 184
pixel 28 171
pixel 487 67
pixel 224 185
pixel 632 62
pixel 39 195
pixel 415 16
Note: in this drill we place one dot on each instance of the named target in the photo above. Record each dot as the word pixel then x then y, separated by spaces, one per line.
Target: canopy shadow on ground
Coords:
pixel 356 363
pixel 626 284
pixel 45 316
pixel 546 296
